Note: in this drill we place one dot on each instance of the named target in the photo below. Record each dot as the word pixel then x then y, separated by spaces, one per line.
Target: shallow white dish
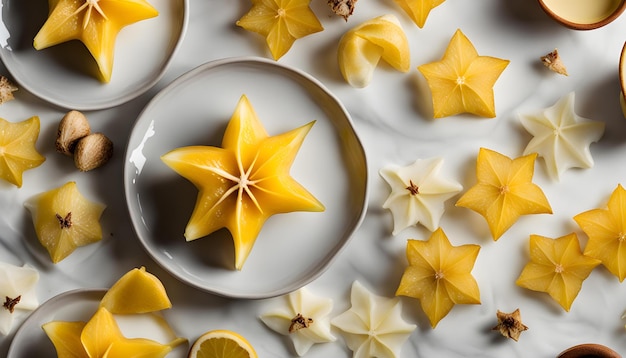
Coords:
pixel 292 249
pixel 79 305
pixel 62 74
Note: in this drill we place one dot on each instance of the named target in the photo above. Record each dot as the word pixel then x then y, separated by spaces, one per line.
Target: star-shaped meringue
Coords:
pixel 462 81
pixel 17 292
pixel 304 317
pixel 243 183
pixel 96 23
pixel 504 190
pixel 561 137
pixel 418 193
pixel 373 326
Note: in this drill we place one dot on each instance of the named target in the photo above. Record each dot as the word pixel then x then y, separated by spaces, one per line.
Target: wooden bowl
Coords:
pixel 589 350
pixel 565 14
pixel 622 79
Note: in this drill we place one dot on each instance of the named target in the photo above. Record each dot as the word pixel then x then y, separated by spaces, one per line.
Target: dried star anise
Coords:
pixel 510 324
pixel 65 222
pixel 10 303
pixel 299 322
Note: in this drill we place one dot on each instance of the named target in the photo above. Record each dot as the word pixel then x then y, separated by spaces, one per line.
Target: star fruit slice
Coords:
pixel 17 149
pixel 65 336
pixel 504 191
pixel 418 10
pixel 138 291
pixel 462 81
pixel 96 23
pixel 244 183
pixel 282 22
pixel 558 267
pixel 362 47
pixel 439 275
pixel 64 220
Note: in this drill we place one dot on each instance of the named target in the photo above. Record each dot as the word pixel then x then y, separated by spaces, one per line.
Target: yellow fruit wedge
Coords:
pixel 64 220
pixel 137 348
pixel 65 336
pixel 504 191
pixel 462 81
pixel 361 48
pixel 96 23
pixel 281 22
pixel 17 149
pixel 418 10
pixel 244 183
pixel 558 267
pixel 439 275
pixel 100 332
pixel 138 291
pixel 222 344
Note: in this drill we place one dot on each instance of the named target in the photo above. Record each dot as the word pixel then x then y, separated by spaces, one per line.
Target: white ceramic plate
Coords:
pixel 62 74
pixel 292 249
pixel 79 305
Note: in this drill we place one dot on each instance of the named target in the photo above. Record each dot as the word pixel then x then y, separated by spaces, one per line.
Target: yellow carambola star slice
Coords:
pixel 96 23
pixel 504 190
pixel 557 267
pixel 439 275
pixel 245 182
pixel 418 10
pixel 606 229
pixel 462 81
pixel 17 149
pixel 282 22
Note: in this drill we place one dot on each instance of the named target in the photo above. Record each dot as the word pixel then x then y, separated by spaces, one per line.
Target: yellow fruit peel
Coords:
pixel 17 149
pixel 361 48
pixel 95 23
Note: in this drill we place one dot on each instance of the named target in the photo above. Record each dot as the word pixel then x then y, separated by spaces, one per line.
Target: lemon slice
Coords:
pixel 138 291
pixel 222 344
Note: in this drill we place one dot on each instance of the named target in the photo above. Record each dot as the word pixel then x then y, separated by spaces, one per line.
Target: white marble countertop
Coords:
pixel 395 126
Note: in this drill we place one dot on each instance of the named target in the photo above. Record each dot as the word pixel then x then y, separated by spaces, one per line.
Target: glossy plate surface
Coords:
pixel 292 249
pixel 63 74
pixel 79 305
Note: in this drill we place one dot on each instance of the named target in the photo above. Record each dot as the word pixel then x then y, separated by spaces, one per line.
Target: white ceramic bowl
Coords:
pixel 292 249
pixel 61 74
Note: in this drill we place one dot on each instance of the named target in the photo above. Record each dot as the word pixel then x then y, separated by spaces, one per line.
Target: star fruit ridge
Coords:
pixel 243 183
pixel 17 149
pixel 439 275
pixel 504 191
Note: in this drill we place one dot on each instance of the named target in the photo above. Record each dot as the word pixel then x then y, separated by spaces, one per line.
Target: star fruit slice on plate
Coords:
pixel 418 10
pixel 558 267
pixel 361 48
pixel 282 22
pixel 504 190
pixel 439 275
pixel 64 219
pixel 462 81
pixel 138 291
pixel 17 149
pixel 96 23
pixel 243 183
pixel 606 229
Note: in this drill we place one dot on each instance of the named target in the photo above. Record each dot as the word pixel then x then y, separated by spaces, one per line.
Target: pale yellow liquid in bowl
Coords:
pixel 583 11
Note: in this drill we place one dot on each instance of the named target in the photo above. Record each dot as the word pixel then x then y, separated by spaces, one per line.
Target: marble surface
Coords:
pixel 393 118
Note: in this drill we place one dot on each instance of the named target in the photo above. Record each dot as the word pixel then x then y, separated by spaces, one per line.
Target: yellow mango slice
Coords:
pixel 65 336
pixel 138 291
pixel 504 191
pixel 462 81
pixel 418 10
pixel 64 220
pixel 439 275
pixel 17 149
pixel 558 267
pixel 361 48
pixel 244 183
pixel 96 23
pixel 606 229
pixel 282 22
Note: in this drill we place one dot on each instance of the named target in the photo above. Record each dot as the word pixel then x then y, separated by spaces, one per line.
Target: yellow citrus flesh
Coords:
pixel 222 344
pixel 64 220
pixel 97 26
pixel 138 291
pixel 65 336
pixel 17 149
pixel 244 183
